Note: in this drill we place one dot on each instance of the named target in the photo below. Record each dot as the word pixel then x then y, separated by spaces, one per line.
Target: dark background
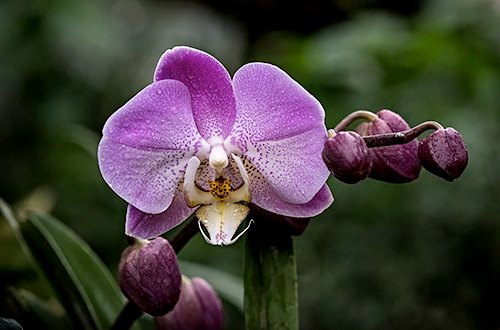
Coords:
pixel 424 255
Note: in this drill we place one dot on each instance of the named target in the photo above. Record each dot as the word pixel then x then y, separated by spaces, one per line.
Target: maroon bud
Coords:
pixel 444 153
pixel 397 163
pixel 149 276
pixel 199 308
pixel 346 155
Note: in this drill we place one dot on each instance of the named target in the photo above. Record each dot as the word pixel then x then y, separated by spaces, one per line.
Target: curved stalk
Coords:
pixel 360 114
pixel 402 137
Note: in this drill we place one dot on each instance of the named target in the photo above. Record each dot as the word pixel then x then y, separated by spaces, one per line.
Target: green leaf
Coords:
pixel 14 225
pixel 82 283
pixel 271 299
pixel 34 313
pixel 80 279
pixel 228 286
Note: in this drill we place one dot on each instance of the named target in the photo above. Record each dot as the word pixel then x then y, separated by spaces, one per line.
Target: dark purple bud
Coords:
pixel 199 308
pixel 149 276
pixel 444 153
pixel 397 163
pixel 346 155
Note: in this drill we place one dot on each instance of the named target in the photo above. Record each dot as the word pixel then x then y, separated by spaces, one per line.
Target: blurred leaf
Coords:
pixel 14 224
pixel 77 275
pixel 83 284
pixel 228 286
pixel 41 199
pixel 36 314
pixel 84 138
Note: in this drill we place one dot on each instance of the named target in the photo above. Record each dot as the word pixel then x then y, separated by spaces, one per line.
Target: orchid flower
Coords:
pixel 196 140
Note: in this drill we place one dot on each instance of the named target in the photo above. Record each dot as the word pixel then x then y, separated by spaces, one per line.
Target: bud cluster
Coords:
pixel 385 148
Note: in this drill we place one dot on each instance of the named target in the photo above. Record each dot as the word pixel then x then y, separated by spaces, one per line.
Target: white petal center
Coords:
pixel 222 219
pixel 223 208
pixel 218 158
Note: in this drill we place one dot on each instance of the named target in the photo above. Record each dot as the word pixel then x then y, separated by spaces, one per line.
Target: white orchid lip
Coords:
pixel 223 208
pixel 221 220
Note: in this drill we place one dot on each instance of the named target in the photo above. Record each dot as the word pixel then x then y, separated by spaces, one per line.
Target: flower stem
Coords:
pixel 360 114
pixel 402 137
pixel 271 299
pixel 127 317
pixel 183 237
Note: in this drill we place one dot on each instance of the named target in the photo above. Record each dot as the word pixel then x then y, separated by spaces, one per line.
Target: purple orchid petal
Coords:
pixel 264 196
pixel 209 84
pixel 319 203
pixel 280 128
pixel 147 143
pixel 292 166
pixel 143 225
pixel 271 105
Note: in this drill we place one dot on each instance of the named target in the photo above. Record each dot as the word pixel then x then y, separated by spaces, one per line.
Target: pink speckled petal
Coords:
pixel 143 225
pixel 147 143
pixel 264 196
pixel 280 128
pixel 292 166
pixel 265 199
pixel 270 105
pixel 209 84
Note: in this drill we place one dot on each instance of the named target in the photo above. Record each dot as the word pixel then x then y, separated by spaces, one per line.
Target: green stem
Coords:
pixel 127 317
pixel 183 237
pixel 271 299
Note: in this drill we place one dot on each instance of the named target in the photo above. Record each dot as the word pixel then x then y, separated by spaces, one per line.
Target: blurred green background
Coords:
pixel 424 255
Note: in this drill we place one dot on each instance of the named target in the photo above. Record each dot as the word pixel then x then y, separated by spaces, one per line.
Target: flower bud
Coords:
pixel 397 163
pixel 444 153
pixel 199 308
pixel 346 155
pixel 149 276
